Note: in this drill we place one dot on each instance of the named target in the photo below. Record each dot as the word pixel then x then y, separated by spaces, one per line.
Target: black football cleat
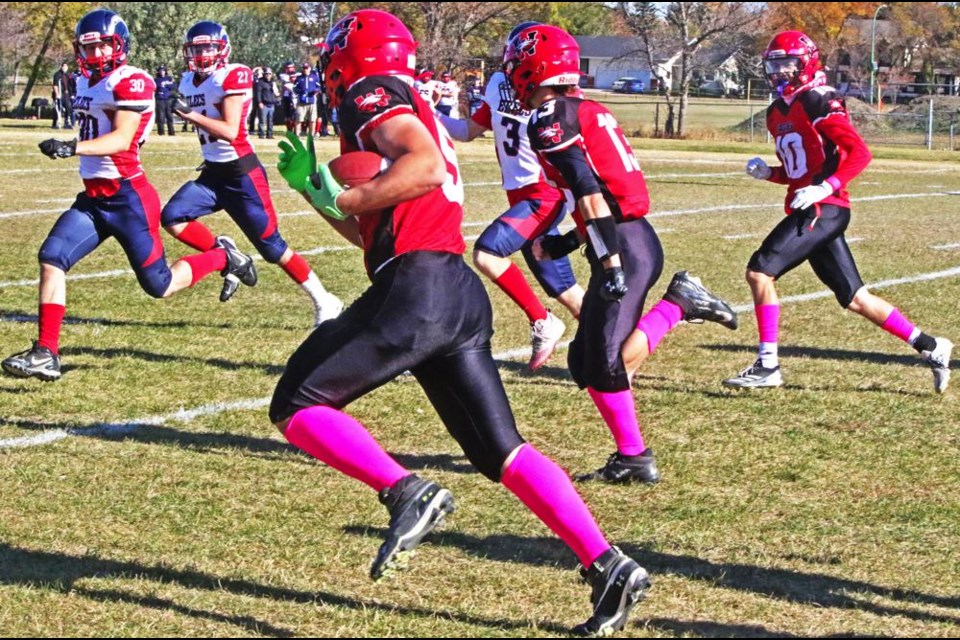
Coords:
pixel 618 583
pixel 416 508
pixel 621 469
pixel 36 362
pixel 697 302
pixel 239 269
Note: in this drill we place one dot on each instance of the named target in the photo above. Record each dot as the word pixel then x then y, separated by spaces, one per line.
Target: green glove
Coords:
pixel 296 161
pixel 323 189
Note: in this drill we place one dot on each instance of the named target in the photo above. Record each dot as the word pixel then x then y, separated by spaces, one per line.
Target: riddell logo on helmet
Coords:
pixel 528 45
pixel 370 102
pixel 553 133
pixel 338 40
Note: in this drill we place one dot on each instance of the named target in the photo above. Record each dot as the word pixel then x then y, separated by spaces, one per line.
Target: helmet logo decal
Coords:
pixel 527 46
pixel 337 39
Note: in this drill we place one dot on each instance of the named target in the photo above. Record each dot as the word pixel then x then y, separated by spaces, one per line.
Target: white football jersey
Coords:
pixel 206 98
pixel 427 89
pixel 94 107
pixel 502 114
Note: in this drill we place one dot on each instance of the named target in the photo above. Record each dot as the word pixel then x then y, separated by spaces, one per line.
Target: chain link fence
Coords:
pixel 927 121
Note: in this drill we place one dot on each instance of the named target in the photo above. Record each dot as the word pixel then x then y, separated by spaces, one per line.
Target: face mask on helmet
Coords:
pixel 782 72
pixel 206 47
pixel 101 42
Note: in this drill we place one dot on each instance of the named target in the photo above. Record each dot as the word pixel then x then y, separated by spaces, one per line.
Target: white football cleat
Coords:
pixel 939 361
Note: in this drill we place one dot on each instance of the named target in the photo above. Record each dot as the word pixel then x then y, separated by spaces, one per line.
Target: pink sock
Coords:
pixel 547 491
pixel 768 322
pixel 336 439
pixel 658 322
pixel 620 414
pixel 897 325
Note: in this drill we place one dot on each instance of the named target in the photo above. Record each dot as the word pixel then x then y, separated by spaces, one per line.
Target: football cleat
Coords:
pixel 239 269
pixel 618 583
pixel 416 508
pixel 36 362
pixel 697 302
pixel 756 376
pixel 939 361
pixel 327 308
pixel 621 468
pixel 544 336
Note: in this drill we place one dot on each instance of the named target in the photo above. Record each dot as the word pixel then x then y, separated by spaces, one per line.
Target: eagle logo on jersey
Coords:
pixel 552 134
pixel 784 127
pixel 527 47
pixel 338 39
pixel 372 101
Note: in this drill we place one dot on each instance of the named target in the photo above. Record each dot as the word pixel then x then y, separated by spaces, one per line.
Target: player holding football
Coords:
pixel 820 154
pixel 581 147
pixel 216 97
pixel 536 208
pixel 425 312
pixel 114 107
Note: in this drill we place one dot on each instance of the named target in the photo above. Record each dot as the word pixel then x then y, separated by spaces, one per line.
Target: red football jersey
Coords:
pixel 428 223
pixel 567 121
pixel 816 143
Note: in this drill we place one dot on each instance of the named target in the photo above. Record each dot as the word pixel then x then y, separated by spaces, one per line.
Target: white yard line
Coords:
pixel 189 415
pixel 946 247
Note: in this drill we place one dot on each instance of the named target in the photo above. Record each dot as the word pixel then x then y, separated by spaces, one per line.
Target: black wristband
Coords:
pixel 602 234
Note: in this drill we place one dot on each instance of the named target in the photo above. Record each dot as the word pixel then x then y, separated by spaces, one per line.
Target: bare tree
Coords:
pixel 680 30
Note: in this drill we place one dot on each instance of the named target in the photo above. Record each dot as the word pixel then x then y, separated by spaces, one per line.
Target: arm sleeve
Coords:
pixel 572 163
pixel 483 116
pixel 854 154
pixel 458 129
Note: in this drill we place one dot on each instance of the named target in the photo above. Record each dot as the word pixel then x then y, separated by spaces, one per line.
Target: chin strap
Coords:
pixel 790 93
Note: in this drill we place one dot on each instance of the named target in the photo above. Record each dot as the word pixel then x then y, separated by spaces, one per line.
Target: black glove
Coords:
pixel 59 148
pixel 558 246
pixel 614 284
pixel 180 106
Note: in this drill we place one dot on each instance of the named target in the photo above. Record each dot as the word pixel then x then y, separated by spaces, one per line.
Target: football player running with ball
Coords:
pixel 581 148
pixel 820 154
pixel 536 208
pixel 114 107
pixel 425 311
pixel 216 96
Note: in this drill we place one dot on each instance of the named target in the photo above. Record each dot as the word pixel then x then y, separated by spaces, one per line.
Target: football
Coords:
pixel 356 167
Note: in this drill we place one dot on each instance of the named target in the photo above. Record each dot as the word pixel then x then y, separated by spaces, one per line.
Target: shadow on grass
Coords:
pixel 709 629
pixel 839 355
pixel 149 356
pixel 208 442
pixel 60 571
pixel 816 589
pixel 26 318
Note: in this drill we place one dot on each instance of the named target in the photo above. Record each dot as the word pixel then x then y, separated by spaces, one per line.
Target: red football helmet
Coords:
pixel 790 62
pixel 541 56
pixel 365 43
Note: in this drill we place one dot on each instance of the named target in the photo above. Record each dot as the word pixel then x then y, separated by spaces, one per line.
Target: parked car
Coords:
pixel 633 86
pixel 619 83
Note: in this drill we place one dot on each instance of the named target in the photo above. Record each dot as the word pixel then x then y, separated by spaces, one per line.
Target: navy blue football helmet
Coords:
pixel 206 47
pixel 101 25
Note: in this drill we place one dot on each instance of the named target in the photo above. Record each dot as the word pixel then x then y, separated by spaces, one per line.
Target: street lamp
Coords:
pixel 873 48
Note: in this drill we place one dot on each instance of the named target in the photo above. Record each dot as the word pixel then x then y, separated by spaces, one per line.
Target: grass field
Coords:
pixel 146 494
